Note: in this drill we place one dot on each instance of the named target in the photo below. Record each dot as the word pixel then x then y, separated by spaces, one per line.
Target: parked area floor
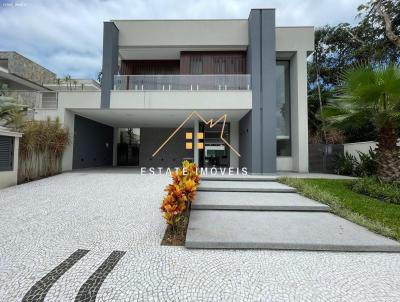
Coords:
pixel 102 230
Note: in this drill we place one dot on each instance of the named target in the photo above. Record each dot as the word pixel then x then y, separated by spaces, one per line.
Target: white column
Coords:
pixel 68 121
pixel 299 115
pixel 115 146
pixel 234 141
pixel 195 141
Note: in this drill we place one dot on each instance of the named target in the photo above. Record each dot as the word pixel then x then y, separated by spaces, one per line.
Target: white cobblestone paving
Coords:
pixel 44 222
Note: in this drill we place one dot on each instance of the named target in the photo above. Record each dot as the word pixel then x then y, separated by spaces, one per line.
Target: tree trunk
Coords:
pixel 395 39
pixel 388 154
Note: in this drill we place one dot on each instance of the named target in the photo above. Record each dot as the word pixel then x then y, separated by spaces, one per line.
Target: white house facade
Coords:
pixel 156 73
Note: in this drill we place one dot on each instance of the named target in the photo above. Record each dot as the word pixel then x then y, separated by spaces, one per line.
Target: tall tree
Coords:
pixel 385 14
pixel 340 47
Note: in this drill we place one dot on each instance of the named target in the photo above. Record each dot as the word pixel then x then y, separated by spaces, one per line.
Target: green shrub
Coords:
pixel 345 164
pixel 376 188
pixel 365 165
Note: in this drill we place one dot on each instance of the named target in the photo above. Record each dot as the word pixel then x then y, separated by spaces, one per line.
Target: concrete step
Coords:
pixel 240 177
pixel 314 231
pixel 255 202
pixel 244 186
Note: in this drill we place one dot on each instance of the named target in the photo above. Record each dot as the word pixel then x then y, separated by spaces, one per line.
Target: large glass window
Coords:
pixel 283 109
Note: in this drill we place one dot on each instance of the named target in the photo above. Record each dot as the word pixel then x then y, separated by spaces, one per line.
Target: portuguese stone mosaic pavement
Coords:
pixel 115 217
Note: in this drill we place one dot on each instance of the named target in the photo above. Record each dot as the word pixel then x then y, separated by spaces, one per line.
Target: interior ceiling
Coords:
pixel 137 118
pixel 167 53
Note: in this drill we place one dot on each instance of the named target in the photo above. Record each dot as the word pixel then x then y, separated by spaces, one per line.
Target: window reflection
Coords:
pixel 283 109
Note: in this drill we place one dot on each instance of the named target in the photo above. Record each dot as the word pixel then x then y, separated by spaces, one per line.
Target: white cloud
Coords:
pixel 66 35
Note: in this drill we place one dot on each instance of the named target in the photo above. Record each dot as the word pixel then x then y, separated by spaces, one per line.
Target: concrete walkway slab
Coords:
pixel 244 186
pixel 240 177
pixel 255 202
pixel 282 230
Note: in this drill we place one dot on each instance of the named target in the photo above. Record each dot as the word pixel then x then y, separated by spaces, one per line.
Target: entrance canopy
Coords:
pixel 137 118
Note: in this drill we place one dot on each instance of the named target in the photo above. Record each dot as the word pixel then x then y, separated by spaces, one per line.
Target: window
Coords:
pixel 283 136
pixel 6 153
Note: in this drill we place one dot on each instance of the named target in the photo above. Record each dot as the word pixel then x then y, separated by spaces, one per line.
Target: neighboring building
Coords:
pixel 30 84
pixel 157 72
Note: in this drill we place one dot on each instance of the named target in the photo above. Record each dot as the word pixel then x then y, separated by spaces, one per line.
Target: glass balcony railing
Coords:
pixel 183 82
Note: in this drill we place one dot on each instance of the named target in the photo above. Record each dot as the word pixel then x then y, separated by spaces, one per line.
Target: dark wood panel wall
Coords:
pixel 191 62
pixel 213 62
pixel 149 67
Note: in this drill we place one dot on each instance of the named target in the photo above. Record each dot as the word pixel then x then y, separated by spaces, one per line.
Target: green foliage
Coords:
pixel 340 47
pixel 130 135
pixel 377 216
pixel 345 164
pixel 366 93
pixel 12 114
pixel 364 165
pixel 376 188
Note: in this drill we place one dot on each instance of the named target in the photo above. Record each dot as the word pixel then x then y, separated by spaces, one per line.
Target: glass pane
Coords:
pixel 283 109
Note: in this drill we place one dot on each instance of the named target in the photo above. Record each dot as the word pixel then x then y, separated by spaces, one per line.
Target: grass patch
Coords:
pixel 378 216
pixel 377 189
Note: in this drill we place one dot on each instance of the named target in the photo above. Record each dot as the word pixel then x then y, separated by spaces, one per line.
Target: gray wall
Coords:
pixel 261 61
pixel 245 141
pixel 93 144
pixel 110 61
pixel 173 152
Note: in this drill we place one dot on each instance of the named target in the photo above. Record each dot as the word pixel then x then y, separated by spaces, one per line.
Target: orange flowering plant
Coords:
pixel 180 193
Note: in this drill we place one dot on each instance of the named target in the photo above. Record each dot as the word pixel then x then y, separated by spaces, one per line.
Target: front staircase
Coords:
pixel 250 212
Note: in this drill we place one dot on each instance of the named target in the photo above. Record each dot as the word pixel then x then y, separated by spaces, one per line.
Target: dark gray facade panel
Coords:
pixel 110 61
pixel 261 60
pixel 173 152
pixel 268 91
pixel 254 65
pixel 245 141
pixel 93 144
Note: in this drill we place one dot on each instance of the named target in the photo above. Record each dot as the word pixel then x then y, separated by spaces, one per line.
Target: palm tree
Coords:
pixel 67 80
pixel 130 135
pixel 371 93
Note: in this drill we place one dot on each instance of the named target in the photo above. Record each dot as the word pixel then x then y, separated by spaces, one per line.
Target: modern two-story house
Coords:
pixel 167 79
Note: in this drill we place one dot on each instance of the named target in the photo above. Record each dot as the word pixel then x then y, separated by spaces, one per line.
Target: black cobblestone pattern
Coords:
pixel 39 290
pixel 89 290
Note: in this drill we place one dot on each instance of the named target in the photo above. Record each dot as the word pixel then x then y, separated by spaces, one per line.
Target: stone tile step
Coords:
pixel 313 231
pixel 240 177
pixel 259 201
pixel 244 186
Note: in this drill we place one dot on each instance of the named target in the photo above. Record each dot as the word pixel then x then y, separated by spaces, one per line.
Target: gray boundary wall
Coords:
pixel 93 144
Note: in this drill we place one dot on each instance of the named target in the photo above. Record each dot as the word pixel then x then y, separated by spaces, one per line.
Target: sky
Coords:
pixel 65 36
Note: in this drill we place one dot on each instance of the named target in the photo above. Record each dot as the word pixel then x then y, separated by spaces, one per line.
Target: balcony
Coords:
pixel 183 82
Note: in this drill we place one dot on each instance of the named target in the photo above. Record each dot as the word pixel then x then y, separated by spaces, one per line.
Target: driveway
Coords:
pixel 100 212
